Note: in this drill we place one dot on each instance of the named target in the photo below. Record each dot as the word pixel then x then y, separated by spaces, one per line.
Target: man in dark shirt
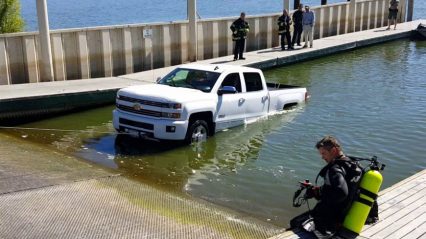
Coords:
pixel 298 28
pixel 239 29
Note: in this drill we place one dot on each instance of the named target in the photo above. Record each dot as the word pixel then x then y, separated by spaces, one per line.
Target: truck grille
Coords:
pixel 140 111
pixel 143 102
pixel 136 124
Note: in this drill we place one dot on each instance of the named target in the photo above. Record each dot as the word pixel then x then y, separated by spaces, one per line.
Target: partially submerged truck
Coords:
pixel 194 101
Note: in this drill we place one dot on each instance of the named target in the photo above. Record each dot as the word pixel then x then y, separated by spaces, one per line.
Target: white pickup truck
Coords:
pixel 194 101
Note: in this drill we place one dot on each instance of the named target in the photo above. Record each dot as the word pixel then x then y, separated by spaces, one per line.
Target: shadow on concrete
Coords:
pixel 221 62
pixel 270 50
pixel 381 30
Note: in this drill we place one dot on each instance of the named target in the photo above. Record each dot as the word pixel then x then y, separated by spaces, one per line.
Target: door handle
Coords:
pixel 264 98
pixel 241 100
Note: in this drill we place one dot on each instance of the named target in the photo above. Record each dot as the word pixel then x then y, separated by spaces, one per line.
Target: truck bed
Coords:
pixel 277 86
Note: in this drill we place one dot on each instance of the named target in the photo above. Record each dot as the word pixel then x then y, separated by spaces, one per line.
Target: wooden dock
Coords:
pixel 402 212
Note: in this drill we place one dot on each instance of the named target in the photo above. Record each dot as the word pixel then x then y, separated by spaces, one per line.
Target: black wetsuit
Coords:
pixel 334 198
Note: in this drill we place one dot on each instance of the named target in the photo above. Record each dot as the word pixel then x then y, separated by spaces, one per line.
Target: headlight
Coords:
pixel 170 115
pixel 175 105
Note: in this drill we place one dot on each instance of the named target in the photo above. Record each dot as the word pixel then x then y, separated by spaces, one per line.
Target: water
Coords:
pixel 372 99
pixel 89 13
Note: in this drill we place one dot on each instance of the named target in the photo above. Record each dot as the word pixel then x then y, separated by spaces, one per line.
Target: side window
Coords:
pixel 253 81
pixel 232 79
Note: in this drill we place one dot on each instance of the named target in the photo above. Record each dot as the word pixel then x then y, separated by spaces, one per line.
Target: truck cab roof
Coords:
pixel 220 68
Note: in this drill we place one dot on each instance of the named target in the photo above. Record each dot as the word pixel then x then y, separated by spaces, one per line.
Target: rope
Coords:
pixel 60 130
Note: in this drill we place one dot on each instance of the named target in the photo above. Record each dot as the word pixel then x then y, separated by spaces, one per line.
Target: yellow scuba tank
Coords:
pixel 360 208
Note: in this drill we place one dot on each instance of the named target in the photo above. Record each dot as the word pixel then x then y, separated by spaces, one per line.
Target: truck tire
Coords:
pixel 198 131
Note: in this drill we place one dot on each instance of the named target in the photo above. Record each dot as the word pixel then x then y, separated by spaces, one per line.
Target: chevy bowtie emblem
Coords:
pixel 137 107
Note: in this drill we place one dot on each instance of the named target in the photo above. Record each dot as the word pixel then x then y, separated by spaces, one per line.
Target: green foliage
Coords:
pixel 10 16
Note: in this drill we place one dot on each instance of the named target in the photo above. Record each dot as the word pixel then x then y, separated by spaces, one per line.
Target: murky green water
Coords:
pixel 372 99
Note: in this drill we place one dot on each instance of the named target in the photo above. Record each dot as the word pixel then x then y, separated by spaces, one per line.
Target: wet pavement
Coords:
pixel 48 194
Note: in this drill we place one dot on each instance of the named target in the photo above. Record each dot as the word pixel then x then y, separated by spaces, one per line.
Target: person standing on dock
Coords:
pixel 393 13
pixel 298 27
pixel 308 22
pixel 239 29
pixel 284 22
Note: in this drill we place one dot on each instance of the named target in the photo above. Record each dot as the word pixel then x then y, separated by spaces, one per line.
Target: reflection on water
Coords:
pixel 372 99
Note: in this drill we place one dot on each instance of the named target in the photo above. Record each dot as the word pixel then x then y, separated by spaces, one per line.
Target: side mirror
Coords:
pixel 227 90
pixel 158 79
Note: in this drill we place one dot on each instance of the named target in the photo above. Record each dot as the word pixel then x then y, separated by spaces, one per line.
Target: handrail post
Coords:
pixel 352 16
pixel 45 47
pixel 192 30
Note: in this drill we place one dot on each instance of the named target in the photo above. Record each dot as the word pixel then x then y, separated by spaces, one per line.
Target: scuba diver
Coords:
pixel 344 183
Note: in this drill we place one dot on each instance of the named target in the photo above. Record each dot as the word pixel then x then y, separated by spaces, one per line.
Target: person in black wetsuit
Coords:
pixel 334 195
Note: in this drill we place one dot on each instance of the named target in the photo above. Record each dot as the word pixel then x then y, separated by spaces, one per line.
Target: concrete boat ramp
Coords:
pixel 40 99
pixel 47 194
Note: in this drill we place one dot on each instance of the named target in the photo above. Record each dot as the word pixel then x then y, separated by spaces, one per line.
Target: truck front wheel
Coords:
pixel 197 131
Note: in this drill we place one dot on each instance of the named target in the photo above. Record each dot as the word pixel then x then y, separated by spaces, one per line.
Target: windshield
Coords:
pixel 190 78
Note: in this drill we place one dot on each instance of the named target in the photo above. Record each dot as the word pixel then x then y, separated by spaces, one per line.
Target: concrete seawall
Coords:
pixel 108 51
pixel 28 101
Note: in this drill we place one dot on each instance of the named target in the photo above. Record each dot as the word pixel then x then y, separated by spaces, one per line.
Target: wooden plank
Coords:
pixel 184 43
pixel 385 203
pixel 207 40
pixel 176 44
pixel 419 233
pixel 94 47
pixel 376 11
pixel 31 59
pixel 83 53
pixel 334 21
pixel 137 49
pixel 72 61
pixel 157 46
pixel 215 40
pixel 402 192
pixel 4 65
pixel 106 52
pixel 398 185
pixel 58 57
pixel 358 16
pixel 230 43
pixel 369 21
pixel 346 17
pixel 118 66
pixel 16 60
pixel 270 26
pixel 400 206
pixel 317 31
pixel 167 44
pixel 148 52
pixel 128 50
pixel 406 225
pixel 395 213
pixel 200 41
pixel 263 33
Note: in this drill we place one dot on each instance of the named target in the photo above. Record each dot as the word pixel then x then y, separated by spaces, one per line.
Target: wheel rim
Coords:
pixel 199 134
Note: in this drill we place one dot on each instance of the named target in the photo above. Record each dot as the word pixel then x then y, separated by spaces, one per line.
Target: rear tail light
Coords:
pixel 306 96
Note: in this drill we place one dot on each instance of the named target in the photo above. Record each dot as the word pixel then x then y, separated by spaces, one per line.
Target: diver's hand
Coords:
pixel 313 192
